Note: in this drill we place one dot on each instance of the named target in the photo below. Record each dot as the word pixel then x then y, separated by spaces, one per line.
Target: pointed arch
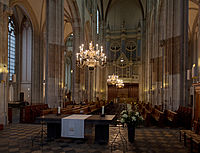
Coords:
pixel 25 6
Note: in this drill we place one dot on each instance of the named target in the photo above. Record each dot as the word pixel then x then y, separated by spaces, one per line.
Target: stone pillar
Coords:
pixel 54 52
pixel 4 12
pixel 76 70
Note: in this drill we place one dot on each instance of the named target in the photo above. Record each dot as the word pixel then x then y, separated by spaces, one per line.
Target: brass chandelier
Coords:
pixel 113 80
pixel 120 83
pixel 91 57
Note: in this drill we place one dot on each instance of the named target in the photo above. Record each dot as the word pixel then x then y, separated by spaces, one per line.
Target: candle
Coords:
pixel 58 110
pixel 102 110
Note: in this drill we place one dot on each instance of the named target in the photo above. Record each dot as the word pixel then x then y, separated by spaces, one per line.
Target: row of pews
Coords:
pixel 155 116
pixel 28 114
pixel 192 136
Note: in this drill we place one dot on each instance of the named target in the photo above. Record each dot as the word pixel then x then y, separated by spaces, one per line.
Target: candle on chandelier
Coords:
pixel 77 55
pixel 80 60
pixel 101 49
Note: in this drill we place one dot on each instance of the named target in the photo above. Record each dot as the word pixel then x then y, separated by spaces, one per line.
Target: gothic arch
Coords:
pixel 25 6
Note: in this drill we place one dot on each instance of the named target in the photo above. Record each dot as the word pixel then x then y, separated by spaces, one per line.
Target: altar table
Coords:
pixel 101 125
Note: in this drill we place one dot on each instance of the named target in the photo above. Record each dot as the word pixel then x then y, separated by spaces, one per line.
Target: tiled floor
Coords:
pixel 16 138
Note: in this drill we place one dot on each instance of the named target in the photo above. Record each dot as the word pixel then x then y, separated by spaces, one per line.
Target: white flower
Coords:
pixel 122 120
pixel 133 118
pixel 137 114
pixel 124 111
pixel 141 118
pixel 125 116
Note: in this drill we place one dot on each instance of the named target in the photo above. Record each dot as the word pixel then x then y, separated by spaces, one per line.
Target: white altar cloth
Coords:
pixel 73 126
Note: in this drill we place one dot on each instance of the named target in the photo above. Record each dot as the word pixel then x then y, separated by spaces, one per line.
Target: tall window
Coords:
pixel 26 51
pixel 97 21
pixel 11 47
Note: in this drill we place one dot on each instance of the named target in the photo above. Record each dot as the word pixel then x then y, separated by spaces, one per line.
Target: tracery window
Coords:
pixel 11 47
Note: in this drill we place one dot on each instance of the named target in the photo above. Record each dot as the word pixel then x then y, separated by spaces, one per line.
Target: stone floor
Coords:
pixel 17 138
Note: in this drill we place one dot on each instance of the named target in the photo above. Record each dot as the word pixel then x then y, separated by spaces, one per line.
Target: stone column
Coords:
pixel 4 12
pixel 54 52
pixel 76 70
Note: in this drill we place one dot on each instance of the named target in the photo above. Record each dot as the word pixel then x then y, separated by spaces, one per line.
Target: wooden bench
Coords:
pixel 192 135
pixel 185 117
pixel 171 117
pixel 158 116
pixel 158 107
pixel 149 107
pixel 146 115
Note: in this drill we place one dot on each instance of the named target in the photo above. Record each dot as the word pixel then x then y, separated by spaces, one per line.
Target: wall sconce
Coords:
pixel 194 72
pixel 3 72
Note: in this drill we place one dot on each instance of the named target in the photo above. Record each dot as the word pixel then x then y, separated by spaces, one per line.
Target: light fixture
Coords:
pixel 120 83
pixel 3 72
pixel 112 79
pixel 121 60
pixel 91 57
pixel 3 68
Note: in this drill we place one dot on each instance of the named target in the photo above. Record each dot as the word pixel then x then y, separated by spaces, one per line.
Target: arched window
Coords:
pixel 11 47
pixel 26 51
pixel 97 21
pixel 26 59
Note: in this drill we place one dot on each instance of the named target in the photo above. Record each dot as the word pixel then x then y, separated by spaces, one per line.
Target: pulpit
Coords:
pixel 196 105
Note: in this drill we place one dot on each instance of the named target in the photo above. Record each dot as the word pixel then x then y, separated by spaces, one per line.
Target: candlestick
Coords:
pixel 58 110
pixel 102 113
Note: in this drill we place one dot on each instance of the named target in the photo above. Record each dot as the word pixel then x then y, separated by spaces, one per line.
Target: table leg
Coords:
pixel 102 133
pixel 53 130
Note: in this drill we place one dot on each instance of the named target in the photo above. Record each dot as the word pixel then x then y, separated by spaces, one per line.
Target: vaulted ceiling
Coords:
pixel 38 9
pixel 105 5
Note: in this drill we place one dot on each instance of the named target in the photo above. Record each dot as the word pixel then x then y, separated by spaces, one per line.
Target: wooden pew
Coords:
pixel 29 113
pixel 158 116
pixel 146 115
pixel 171 117
pixel 185 117
pixel 159 107
pixel 192 135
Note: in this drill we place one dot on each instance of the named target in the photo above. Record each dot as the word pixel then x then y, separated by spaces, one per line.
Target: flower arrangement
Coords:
pixel 131 117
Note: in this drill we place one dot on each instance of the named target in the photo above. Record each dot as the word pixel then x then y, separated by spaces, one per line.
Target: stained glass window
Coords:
pixel 11 47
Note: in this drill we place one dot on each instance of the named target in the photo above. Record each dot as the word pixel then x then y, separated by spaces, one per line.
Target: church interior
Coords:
pixel 99 76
